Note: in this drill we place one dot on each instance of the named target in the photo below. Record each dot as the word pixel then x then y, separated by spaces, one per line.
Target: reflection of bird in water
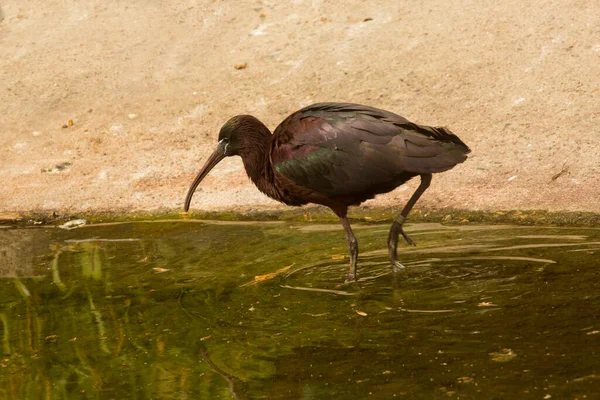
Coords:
pixel 234 383
pixel 338 155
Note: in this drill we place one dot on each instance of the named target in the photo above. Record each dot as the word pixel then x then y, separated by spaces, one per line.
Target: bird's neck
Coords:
pixel 255 155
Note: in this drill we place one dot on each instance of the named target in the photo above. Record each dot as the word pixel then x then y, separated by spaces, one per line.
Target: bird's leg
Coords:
pixel 352 246
pixel 396 228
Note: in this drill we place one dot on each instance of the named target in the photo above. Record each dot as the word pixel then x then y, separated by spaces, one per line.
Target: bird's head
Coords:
pixel 232 137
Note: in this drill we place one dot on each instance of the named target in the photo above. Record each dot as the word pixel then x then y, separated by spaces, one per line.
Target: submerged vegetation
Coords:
pixel 258 310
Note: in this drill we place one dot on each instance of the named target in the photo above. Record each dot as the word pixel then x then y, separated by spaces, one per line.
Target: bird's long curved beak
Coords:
pixel 213 160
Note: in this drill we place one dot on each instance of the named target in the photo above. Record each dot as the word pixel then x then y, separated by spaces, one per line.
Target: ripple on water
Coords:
pixel 205 309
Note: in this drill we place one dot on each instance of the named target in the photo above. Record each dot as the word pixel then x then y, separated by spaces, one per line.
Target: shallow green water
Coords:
pixel 173 310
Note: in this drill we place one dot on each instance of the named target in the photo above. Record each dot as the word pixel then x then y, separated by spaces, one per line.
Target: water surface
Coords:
pixel 207 310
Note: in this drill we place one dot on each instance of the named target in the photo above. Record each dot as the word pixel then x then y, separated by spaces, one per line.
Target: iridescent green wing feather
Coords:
pixel 340 149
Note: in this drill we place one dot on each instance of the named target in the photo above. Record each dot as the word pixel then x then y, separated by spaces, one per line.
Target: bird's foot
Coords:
pixel 397 228
pixel 406 237
pixel 350 278
pixel 397 267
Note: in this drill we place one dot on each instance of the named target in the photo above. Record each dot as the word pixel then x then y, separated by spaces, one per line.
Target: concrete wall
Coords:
pixel 147 86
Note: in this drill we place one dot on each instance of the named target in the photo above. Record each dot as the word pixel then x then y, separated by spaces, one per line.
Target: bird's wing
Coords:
pixel 341 148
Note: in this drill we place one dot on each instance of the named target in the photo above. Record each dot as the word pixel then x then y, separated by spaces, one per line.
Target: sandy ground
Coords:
pixel 147 86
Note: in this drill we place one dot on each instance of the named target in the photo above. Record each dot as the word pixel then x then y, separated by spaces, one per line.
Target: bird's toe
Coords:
pixel 350 278
pixel 407 238
pixel 397 267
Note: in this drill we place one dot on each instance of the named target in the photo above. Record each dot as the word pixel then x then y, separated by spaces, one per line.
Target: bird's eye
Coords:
pixel 224 140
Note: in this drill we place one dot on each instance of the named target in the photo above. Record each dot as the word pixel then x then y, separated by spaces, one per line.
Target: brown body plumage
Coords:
pixel 338 155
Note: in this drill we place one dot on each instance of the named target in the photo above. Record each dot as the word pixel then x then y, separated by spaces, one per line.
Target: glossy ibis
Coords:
pixel 338 155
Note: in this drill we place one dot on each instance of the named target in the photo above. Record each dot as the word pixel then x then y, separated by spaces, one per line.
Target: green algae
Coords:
pixel 316 214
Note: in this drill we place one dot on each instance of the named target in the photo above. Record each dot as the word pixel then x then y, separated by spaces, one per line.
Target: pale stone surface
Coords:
pixel 147 86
